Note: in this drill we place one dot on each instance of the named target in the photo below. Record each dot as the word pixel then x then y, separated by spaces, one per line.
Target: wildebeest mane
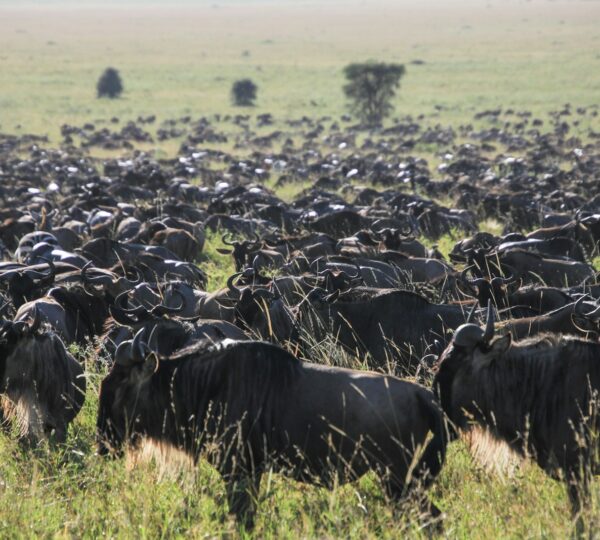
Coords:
pixel 366 295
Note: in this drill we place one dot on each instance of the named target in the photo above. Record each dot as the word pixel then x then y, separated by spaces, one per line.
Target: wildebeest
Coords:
pixel 42 385
pixel 539 395
pixel 266 409
pixel 390 325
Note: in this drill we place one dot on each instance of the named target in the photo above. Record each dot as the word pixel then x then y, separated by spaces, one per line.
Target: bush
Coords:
pixel 109 84
pixel 243 93
pixel 371 87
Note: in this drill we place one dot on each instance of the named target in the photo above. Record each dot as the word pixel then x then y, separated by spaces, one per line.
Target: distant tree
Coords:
pixel 109 84
pixel 371 87
pixel 243 93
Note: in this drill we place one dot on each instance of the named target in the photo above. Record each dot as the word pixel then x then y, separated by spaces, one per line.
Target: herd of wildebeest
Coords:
pixel 501 332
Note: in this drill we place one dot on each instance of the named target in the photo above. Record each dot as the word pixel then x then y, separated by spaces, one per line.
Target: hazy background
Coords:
pixel 181 57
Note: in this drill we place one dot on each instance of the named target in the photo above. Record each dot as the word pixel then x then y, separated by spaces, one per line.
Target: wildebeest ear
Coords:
pixel 498 347
pixel 501 345
pixel 224 251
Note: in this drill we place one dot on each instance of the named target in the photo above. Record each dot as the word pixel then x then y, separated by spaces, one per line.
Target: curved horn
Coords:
pixel 475 282
pixel 232 287
pixel 139 347
pixel 225 239
pixel 123 356
pixel 121 317
pixel 468 335
pixel 358 272
pixel 489 325
pixel 161 309
pixel 404 227
pixel 94 280
pixel 119 303
pixel 43 278
pixel 138 276
pixel 594 314
pixel 504 280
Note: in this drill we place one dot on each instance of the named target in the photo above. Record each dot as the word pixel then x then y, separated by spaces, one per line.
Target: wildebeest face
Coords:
pixel 111 424
pixel 13 336
pixel 266 315
pixel 119 407
pixel 454 382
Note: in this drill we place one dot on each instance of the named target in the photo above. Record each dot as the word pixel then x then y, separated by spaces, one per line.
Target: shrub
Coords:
pixel 371 87
pixel 243 93
pixel 109 84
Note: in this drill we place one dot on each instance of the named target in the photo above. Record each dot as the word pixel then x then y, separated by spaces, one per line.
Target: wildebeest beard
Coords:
pixel 42 386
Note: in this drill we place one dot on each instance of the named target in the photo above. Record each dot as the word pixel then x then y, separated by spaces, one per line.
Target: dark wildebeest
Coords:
pixel 74 313
pixel 391 325
pixel 264 408
pixel 540 396
pixel 42 385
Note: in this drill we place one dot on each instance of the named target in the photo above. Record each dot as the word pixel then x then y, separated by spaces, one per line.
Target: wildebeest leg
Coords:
pixel 58 432
pixel 242 496
pixel 401 493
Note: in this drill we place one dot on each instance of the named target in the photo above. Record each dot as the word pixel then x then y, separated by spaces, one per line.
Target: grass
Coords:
pixel 217 266
pixel 174 62
pixel 71 492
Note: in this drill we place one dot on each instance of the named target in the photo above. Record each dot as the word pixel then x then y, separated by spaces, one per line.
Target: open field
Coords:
pixel 182 60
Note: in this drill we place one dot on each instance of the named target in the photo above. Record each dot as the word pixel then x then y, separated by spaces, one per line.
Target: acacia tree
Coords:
pixel 370 88
pixel 109 84
pixel 243 92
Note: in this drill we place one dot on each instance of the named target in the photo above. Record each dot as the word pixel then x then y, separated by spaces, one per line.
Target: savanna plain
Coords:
pixel 180 59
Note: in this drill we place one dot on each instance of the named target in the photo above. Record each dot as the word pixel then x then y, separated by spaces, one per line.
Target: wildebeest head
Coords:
pixel 117 407
pixel 25 283
pixel 43 385
pixel 489 289
pixel 470 347
pixel 240 250
pixel 266 314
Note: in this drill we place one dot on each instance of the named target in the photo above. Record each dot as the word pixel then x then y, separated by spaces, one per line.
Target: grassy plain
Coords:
pixel 181 60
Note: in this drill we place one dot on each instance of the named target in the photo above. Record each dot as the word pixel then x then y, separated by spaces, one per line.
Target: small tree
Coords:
pixel 371 87
pixel 243 93
pixel 109 84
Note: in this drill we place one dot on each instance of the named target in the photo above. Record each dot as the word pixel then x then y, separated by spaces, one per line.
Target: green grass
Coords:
pixel 174 62
pixel 71 492
pixel 217 266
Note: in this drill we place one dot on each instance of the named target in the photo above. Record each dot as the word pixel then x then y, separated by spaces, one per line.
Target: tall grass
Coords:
pixel 72 492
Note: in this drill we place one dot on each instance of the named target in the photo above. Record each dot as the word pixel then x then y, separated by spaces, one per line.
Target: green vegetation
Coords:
pixel 469 57
pixel 72 492
pixel 110 84
pixel 243 93
pixel 371 87
pixel 461 58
